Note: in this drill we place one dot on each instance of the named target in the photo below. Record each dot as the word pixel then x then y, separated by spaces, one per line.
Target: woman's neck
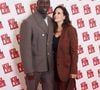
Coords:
pixel 59 26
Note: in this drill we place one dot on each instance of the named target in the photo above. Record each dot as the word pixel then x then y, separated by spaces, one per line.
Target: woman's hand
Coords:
pixel 73 76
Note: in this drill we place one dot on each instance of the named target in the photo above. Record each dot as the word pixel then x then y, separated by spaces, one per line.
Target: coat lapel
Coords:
pixel 40 21
pixel 50 27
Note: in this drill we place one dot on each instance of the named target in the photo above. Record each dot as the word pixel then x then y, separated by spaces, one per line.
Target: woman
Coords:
pixel 65 45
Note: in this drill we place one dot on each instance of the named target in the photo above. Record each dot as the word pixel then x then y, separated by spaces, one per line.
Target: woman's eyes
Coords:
pixel 58 13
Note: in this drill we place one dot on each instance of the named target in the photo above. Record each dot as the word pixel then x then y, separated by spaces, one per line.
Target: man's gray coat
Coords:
pixel 36 44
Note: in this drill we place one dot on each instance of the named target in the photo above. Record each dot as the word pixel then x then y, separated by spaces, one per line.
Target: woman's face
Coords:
pixel 59 16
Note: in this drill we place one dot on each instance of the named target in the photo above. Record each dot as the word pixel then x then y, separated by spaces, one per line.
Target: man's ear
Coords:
pixel 37 3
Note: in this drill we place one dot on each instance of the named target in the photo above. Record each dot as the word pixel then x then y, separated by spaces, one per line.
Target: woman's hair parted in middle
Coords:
pixel 65 13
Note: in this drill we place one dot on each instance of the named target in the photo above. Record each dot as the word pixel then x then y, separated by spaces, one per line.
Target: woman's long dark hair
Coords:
pixel 66 21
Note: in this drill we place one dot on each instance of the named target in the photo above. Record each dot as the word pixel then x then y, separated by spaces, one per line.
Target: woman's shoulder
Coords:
pixel 70 26
pixel 71 29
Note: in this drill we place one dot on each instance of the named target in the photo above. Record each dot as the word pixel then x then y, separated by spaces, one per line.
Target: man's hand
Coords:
pixel 30 76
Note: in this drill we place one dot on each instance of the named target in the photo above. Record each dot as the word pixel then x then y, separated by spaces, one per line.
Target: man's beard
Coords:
pixel 43 12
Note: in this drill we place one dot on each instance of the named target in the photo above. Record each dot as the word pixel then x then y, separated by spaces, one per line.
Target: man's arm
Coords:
pixel 25 46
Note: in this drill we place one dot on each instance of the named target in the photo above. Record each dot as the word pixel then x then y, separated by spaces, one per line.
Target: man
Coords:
pixel 36 48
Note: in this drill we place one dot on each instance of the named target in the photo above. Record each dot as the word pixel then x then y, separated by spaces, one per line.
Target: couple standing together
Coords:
pixel 49 48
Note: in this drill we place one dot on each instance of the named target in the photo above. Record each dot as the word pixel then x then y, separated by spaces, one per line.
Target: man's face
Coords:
pixel 43 5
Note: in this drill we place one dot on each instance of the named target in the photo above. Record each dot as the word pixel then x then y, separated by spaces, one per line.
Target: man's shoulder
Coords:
pixel 49 17
pixel 30 17
pixel 29 20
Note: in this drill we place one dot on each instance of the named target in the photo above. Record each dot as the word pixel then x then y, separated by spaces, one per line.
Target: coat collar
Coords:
pixel 40 21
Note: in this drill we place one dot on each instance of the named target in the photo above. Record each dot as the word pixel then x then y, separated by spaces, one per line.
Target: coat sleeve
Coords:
pixel 26 46
pixel 73 50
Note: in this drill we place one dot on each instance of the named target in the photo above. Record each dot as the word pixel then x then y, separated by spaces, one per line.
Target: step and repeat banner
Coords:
pixel 85 17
